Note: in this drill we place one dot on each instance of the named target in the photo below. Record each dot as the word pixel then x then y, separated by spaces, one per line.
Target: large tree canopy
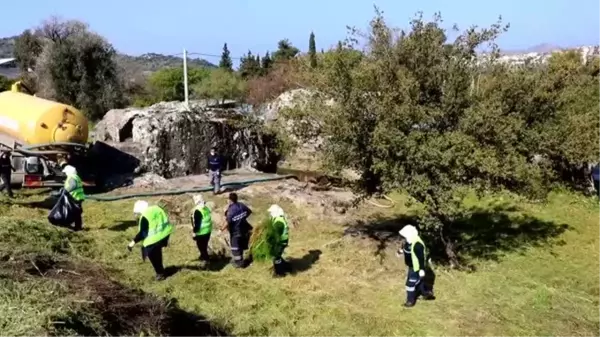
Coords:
pixel 419 113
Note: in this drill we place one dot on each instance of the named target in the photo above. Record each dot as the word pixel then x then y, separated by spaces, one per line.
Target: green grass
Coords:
pixel 530 278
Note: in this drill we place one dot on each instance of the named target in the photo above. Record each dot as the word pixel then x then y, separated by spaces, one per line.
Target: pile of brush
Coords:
pixel 264 241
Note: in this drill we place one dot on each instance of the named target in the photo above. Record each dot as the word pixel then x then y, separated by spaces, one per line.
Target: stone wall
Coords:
pixel 173 141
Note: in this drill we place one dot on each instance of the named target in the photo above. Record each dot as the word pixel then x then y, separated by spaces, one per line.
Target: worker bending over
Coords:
pixel 154 230
pixel 201 226
pixel 419 279
pixel 74 186
pixel 280 242
pixel 239 229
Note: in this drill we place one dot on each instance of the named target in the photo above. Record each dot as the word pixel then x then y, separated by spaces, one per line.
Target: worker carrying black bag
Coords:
pixel 64 211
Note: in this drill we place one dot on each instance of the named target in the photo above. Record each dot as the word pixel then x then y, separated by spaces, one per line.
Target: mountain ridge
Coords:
pixel 147 62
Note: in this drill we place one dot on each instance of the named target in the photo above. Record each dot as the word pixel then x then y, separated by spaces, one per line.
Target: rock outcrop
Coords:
pixel 172 140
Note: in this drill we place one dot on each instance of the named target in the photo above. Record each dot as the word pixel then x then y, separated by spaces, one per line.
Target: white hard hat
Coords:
pixel 140 206
pixel 275 211
pixel 409 232
pixel 69 170
pixel 198 199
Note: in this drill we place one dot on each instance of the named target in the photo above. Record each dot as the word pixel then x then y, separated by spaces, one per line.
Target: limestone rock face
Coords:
pixel 172 141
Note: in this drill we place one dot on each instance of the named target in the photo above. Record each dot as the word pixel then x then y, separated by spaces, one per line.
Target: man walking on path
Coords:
pixel 214 170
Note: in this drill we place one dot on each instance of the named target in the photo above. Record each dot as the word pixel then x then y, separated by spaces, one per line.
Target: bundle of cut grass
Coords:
pixel 264 241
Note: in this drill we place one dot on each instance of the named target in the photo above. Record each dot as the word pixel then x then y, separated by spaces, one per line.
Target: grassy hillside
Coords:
pixel 536 273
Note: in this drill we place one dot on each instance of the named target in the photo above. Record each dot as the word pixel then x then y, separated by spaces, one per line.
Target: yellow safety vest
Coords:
pixel 285 233
pixel 206 224
pixel 413 257
pixel 159 226
pixel 77 193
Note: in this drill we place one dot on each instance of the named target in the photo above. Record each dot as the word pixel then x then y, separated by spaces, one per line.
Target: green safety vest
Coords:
pixel 285 233
pixel 77 193
pixel 413 257
pixel 206 224
pixel 159 226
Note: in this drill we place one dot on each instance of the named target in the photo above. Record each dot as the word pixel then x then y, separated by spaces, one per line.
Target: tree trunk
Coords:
pixel 449 249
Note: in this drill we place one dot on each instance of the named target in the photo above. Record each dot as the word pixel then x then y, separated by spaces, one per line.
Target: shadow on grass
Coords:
pixel 298 265
pixel 47 203
pixel 123 226
pixel 216 263
pixel 232 188
pixel 486 233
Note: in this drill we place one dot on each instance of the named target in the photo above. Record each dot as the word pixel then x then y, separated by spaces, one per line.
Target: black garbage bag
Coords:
pixel 64 211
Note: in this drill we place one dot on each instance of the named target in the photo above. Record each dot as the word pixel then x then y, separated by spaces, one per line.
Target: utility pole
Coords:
pixel 185 79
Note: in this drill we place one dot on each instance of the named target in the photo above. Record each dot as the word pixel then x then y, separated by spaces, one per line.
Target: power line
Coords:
pixel 203 54
pixel 212 55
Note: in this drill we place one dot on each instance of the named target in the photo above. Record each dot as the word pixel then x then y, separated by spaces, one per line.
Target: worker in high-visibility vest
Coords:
pixel 281 239
pixel 420 276
pixel 202 225
pixel 154 230
pixel 74 186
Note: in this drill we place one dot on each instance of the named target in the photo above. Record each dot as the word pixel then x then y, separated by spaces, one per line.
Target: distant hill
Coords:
pixel 145 63
pixel 151 62
pixel 540 48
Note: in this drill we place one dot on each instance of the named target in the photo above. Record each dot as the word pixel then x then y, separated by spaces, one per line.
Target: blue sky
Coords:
pixel 136 26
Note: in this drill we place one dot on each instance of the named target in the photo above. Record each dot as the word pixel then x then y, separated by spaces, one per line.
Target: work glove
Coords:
pixel 399 252
pixel 130 245
pixel 421 273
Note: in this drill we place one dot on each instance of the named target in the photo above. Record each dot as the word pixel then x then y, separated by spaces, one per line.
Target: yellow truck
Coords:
pixel 43 136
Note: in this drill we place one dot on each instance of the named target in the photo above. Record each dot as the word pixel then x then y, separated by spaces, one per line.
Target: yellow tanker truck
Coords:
pixel 43 136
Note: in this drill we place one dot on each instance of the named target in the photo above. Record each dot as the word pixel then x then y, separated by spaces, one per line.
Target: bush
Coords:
pixel 5 83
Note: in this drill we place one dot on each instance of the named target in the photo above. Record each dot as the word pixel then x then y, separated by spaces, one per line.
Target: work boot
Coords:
pixel 278 270
pixel 160 277
pixel 237 264
pixel 428 296
pixel 409 304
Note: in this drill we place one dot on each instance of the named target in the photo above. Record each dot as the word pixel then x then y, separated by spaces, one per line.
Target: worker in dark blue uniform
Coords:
pixel 214 170
pixel 596 178
pixel 239 229
pixel 6 168
pixel 420 276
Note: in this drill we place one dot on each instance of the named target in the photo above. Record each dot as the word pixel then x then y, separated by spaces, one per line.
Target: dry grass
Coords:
pixel 355 286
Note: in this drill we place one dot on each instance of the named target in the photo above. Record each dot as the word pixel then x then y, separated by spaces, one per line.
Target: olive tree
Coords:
pixel 408 117
pixel 77 66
